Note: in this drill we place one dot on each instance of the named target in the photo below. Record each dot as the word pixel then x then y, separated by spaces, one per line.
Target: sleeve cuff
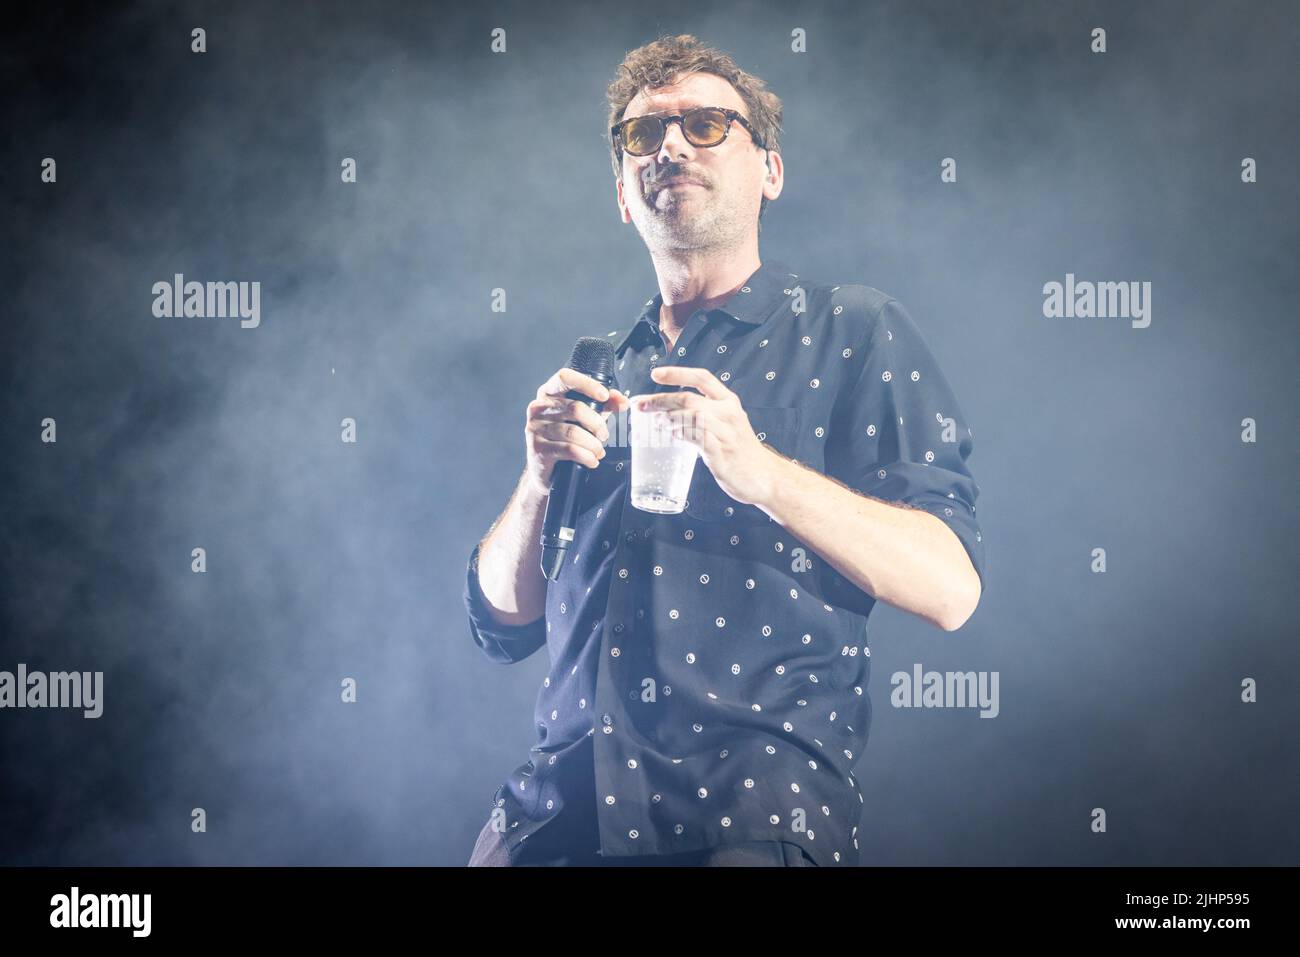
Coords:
pixel 501 643
pixel 960 517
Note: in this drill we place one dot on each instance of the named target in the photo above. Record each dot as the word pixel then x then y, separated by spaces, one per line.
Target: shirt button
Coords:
pixel 681 350
pixel 609 799
pixel 606 718
pixel 618 629
pixel 630 537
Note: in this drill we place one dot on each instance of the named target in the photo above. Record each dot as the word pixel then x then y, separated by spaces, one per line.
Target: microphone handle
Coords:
pixel 567 481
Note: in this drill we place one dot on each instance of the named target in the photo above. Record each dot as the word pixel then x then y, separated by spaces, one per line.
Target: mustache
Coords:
pixel 663 180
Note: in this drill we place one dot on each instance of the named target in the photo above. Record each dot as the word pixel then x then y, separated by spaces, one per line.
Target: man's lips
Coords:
pixel 677 181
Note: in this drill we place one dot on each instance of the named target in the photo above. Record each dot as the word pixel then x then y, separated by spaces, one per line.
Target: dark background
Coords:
pixel 480 171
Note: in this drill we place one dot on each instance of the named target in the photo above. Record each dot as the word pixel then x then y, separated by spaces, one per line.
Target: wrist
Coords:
pixel 775 477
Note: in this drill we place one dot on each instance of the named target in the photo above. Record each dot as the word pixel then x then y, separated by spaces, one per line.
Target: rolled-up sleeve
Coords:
pixel 502 643
pixel 901 435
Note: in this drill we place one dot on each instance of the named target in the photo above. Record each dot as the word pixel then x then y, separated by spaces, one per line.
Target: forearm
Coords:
pixel 510 559
pixel 905 557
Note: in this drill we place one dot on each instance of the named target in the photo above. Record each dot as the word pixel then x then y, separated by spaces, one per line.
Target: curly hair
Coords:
pixel 664 61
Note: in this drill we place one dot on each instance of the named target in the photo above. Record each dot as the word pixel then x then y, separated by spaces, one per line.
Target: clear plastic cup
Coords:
pixel 662 464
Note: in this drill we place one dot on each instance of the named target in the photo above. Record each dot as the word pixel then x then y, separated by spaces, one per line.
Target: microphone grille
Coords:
pixel 593 356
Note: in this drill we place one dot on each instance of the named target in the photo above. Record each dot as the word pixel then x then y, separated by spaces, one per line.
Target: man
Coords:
pixel 707 698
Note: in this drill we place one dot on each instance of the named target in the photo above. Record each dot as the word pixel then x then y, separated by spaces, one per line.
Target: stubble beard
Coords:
pixel 700 222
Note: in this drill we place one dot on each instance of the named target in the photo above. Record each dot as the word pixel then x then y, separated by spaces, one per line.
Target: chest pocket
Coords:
pixel 777 426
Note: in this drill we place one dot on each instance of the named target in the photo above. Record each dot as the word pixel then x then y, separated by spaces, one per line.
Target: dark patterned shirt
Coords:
pixel 709 672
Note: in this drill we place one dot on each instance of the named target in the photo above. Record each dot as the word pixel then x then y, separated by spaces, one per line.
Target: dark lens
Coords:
pixel 641 135
pixel 706 127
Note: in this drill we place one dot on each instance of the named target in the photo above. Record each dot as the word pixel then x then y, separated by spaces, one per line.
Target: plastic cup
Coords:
pixel 662 463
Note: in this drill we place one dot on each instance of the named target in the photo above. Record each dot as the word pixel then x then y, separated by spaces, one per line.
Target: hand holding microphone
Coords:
pixel 560 428
pixel 566 425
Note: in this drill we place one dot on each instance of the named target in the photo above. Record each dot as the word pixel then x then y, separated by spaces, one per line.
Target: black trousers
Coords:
pixel 490 851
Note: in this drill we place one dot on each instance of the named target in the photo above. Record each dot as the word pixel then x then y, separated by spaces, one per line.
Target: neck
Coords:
pixel 699 279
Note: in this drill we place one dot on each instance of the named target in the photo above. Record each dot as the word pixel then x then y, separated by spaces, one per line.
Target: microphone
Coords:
pixel 592 357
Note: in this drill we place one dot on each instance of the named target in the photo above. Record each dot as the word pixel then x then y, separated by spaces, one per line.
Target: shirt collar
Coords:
pixel 753 302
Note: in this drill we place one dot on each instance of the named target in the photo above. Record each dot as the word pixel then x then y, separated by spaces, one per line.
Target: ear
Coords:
pixel 622 203
pixel 775 179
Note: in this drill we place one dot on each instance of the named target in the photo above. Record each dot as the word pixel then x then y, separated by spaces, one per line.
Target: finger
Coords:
pixel 689 425
pixel 670 401
pixel 558 408
pixel 618 400
pixel 569 451
pixel 567 432
pixel 573 379
pixel 696 378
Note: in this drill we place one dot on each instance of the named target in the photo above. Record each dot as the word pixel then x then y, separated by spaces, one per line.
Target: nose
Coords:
pixel 675 143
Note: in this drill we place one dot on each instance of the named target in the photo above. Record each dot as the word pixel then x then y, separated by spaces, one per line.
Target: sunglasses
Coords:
pixel 702 126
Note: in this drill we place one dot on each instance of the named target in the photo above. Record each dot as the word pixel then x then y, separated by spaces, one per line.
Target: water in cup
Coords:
pixel 662 464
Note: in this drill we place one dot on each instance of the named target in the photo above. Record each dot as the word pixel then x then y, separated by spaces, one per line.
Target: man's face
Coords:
pixel 719 207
